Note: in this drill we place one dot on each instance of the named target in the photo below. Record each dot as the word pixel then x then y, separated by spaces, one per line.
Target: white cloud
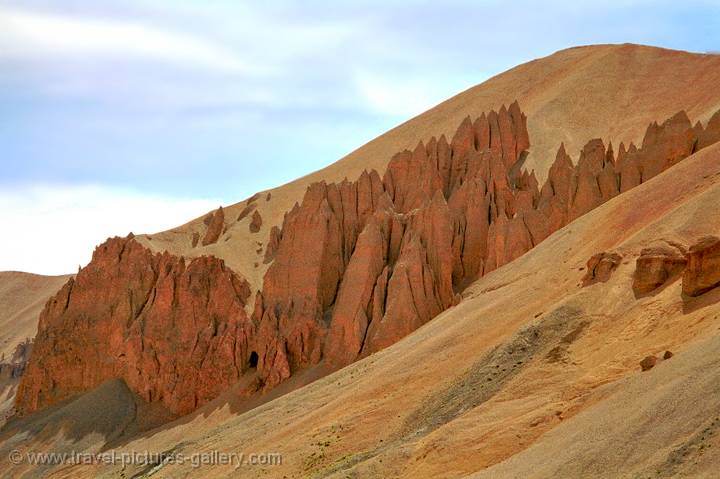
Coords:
pixel 387 97
pixel 25 34
pixel 51 229
pixel 406 96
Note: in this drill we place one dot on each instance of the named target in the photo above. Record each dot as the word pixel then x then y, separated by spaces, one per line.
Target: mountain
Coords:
pixel 570 96
pixel 531 375
pixel 522 272
pixel 22 297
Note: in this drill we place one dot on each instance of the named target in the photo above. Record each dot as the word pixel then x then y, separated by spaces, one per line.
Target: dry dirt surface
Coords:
pixel 22 297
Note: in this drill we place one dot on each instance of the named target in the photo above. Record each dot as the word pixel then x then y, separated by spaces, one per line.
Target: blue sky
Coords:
pixel 159 110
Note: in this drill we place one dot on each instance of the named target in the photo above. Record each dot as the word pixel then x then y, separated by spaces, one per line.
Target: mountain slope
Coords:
pixel 604 91
pixel 23 296
pixel 355 267
pixel 531 375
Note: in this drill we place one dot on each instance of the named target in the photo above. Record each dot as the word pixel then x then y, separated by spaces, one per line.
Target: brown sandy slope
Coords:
pixel 531 375
pixel 22 297
pixel 103 416
pixel 607 91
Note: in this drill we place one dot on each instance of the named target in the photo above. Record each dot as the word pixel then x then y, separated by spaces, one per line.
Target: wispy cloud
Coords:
pixel 406 98
pixel 53 229
pixel 27 34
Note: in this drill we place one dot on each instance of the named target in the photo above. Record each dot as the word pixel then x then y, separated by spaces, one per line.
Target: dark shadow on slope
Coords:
pixel 111 416
pixel 491 373
pixel 650 294
pixel 686 453
pixel 482 381
pixel 89 422
pixel 692 304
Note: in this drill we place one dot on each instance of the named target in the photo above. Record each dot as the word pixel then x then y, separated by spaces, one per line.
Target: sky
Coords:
pixel 121 116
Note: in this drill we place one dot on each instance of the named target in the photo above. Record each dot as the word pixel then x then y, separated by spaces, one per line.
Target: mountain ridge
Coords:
pixel 570 111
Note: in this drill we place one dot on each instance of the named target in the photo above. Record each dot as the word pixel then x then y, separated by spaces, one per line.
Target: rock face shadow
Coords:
pixel 701 280
pixel 546 338
pixel 658 267
pixel 91 422
pixel 692 304
pixel 659 289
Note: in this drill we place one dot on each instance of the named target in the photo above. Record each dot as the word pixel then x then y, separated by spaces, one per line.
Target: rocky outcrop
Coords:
pixel 273 244
pixel 703 267
pixel 255 222
pixel 215 223
pixel 354 305
pixel 301 284
pixel 600 268
pixel 655 267
pixel 356 266
pixel 709 135
pixel 246 211
pixel 365 263
pixel 14 366
pixel 174 330
pixel 573 191
pixel 442 215
pixel 648 363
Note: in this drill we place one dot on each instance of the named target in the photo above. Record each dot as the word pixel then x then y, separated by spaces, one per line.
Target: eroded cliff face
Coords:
pixel 355 267
pixel 703 267
pixel 14 366
pixel 174 330
pixel 658 265
pixel 359 265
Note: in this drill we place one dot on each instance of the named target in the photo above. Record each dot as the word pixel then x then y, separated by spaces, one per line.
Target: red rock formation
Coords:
pixel 656 266
pixel 300 286
pixel 571 191
pixel 256 222
pixel 354 305
pixel 355 267
pixel 663 146
pixel 246 211
pixel 600 267
pixel 174 331
pixel 14 366
pixel 424 230
pixel 648 363
pixel 703 267
pixel 709 135
pixel 420 285
pixel 215 224
pixel 273 244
